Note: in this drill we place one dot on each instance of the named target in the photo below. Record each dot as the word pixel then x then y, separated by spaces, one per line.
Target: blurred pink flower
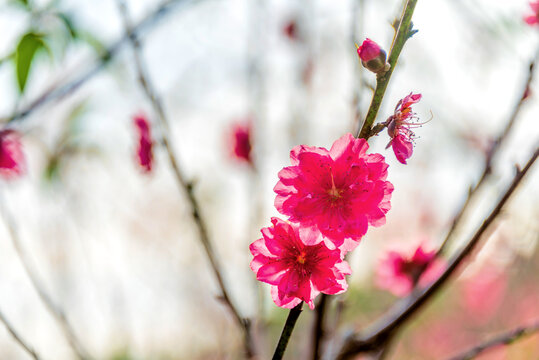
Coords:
pixel 483 293
pixel 12 160
pixel 341 191
pixel 297 271
pixel 398 128
pixel 372 56
pixel 145 142
pixel 291 30
pixel 534 18
pixel 398 272
pixel 241 141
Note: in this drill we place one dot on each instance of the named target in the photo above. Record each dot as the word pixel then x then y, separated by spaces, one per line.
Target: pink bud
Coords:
pixel 369 50
pixel 372 56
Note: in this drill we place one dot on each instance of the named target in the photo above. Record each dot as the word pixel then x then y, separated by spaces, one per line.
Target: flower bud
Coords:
pixel 372 56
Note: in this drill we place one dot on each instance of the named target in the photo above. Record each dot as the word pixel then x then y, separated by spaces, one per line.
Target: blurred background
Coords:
pixel 116 248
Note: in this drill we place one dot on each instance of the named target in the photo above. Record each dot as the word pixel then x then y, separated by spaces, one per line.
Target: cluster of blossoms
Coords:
pixel 330 197
pixel 12 161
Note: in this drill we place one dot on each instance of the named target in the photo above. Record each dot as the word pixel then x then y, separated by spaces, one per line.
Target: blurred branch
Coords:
pixel 383 330
pixel 18 337
pixel 319 326
pixel 493 151
pixel 293 316
pixel 55 310
pixel 504 339
pixel 185 185
pixel 60 90
pixel 403 34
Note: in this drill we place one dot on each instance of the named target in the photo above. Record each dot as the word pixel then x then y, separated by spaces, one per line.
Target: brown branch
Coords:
pixel 184 184
pixel 60 90
pixel 56 311
pixel 319 326
pixel 504 339
pixel 18 338
pixel 380 332
pixel 493 151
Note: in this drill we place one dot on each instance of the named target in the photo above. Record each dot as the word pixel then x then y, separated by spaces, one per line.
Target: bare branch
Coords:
pixel 60 90
pixel 56 311
pixel 18 338
pixel 495 147
pixel 504 339
pixel 185 186
pixel 380 332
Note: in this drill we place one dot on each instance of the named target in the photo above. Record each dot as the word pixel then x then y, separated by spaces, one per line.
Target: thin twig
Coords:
pixel 60 90
pixel 287 331
pixel 493 151
pixel 504 339
pixel 382 80
pixel 56 311
pixel 185 186
pixel 18 338
pixel 403 311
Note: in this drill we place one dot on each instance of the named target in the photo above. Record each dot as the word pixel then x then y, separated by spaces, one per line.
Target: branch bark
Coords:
pixel 402 35
pixel 403 311
pixel 18 338
pixel 184 185
pixel 504 339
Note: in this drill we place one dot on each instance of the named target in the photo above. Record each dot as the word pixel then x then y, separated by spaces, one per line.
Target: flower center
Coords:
pixel 334 193
pixel 301 258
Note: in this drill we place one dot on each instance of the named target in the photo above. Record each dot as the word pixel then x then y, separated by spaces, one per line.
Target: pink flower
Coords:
pixel 297 271
pixel 145 143
pixel 483 294
pixel 399 128
pixel 398 272
pixel 534 18
pixel 372 56
pixel 241 141
pixel 340 192
pixel 11 156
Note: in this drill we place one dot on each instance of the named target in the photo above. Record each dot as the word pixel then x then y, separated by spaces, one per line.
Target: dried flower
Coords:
pixel 296 270
pixel 145 142
pixel 12 160
pixel 399 128
pixel 372 56
pixel 340 192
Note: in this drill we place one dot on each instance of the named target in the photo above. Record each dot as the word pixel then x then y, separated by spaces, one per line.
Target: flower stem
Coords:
pixel 287 331
pixel 382 80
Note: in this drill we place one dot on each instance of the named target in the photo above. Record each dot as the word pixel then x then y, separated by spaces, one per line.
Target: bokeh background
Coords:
pixel 117 249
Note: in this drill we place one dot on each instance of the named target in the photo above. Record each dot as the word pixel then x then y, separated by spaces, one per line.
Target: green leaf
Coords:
pixel 24 55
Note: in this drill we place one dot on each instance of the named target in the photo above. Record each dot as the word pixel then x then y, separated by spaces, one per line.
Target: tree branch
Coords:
pixel 185 186
pixel 287 331
pixel 56 311
pixel 402 35
pixel 59 91
pixel 495 147
pixel 504 339
pixel 18 338
pixel 403 311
